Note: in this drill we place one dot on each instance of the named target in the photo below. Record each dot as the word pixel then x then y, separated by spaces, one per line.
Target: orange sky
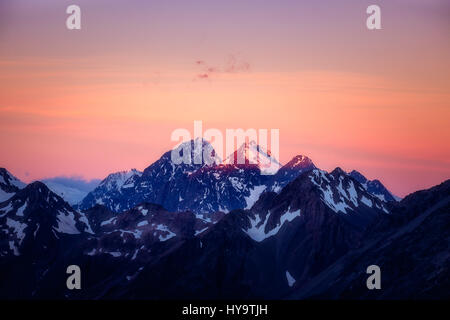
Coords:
pixel 107 97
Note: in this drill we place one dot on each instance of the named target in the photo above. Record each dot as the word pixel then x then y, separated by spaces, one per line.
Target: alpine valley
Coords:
pixel 224 231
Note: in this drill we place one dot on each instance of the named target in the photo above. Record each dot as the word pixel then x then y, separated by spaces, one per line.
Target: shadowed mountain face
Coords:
pixel 38 229
pixel 35 218
pixel 411 246
pixel 40 235
pixel 313 238
pixel 248 253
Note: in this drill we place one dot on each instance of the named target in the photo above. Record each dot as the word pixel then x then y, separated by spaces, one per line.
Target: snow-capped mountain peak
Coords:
pixel 374 187
pixel 9 185
pixel 250 153
pixel 119 179
pixel 197 152
pixel 291 170
pixel 33 213
pixel 299 161
pixel 341 194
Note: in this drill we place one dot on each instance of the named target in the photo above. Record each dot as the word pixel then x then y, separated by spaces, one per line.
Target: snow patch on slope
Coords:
pixel 166 234
pixel 257 229
pixel 290 279
pixel 5 195
pixel 254 196
pixel 66 223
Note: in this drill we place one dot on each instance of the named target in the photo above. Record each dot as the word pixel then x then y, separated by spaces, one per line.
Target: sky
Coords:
pixel 106 98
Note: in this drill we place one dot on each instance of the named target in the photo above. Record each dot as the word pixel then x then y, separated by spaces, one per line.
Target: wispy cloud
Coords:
pixel 76 182
pixel 232 64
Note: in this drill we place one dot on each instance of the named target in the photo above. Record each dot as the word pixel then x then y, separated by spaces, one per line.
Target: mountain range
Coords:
pixel 224 230
pixel 203 188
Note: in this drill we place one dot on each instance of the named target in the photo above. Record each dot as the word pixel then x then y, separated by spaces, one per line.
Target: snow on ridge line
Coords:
pixel 4 196
pixel 12 180
pixel 201 230
pixel 118 179
pixel 254 154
